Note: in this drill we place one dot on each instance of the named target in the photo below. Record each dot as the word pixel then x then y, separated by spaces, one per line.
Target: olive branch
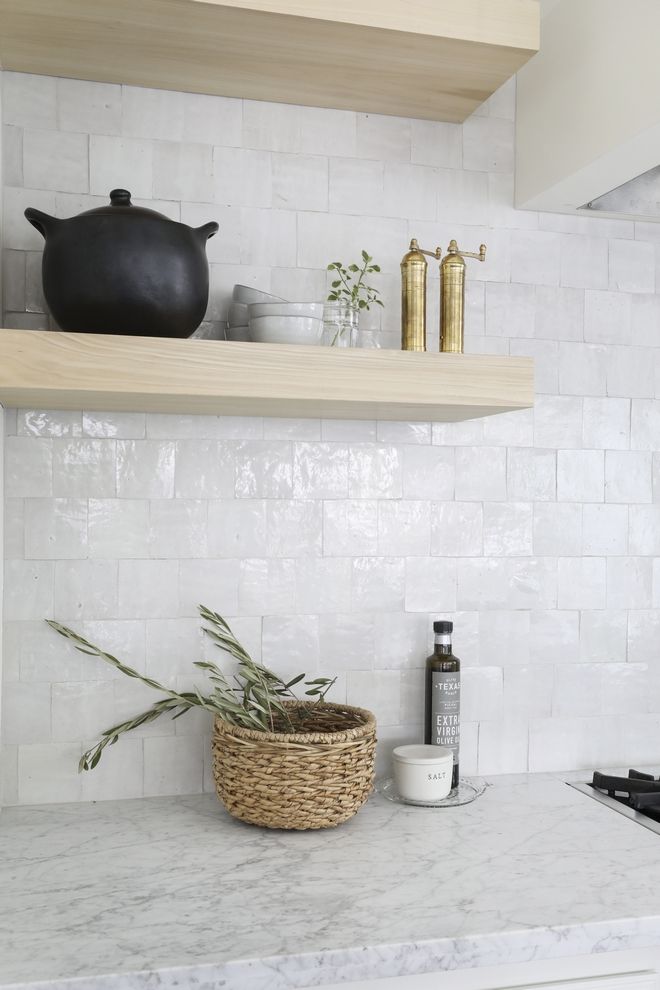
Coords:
pixel 255 700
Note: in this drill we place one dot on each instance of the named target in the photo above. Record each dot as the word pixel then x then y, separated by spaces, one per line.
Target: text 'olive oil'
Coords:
pixel 442 725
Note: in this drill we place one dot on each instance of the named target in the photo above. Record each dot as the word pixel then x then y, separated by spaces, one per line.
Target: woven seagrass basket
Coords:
pixel 297 780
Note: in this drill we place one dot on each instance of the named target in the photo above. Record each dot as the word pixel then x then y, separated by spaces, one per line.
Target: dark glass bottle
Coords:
pixel 442 725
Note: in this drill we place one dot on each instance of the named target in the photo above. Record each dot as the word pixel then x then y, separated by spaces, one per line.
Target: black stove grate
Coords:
pixel 638 790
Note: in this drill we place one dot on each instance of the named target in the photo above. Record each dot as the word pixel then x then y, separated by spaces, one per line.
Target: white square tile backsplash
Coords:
pixel 331 545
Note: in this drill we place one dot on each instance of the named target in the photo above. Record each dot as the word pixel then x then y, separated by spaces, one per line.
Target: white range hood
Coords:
pixel 639 198
pixel 588 111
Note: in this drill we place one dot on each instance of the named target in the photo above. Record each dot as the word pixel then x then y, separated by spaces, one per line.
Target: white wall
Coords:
pixel 1 463
pixel 332 545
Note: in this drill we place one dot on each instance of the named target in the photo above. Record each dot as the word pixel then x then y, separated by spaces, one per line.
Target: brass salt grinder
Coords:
pixel 452 296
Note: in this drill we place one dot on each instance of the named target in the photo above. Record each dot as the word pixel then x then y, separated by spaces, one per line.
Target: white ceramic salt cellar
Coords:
pixel 422 773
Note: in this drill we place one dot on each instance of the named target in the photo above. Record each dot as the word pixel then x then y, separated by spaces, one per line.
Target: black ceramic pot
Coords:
pixel 124 269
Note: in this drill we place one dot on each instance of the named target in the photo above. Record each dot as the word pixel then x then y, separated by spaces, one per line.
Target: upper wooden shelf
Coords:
pixel 436 59
pixel 54 370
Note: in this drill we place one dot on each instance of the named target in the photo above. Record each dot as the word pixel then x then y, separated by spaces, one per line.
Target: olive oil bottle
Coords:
pixel 442 725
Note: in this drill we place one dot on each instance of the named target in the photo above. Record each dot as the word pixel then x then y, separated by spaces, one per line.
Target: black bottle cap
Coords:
pixel 444 626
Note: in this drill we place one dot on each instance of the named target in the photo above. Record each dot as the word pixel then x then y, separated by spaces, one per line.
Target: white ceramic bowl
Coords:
pixel 422 773
pixel 256 310
pixel 286 330
pixel 237 333
pixel 246 294
pixel 238 314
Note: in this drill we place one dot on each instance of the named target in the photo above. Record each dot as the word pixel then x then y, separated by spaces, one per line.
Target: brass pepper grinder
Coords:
pixel 452 296
pixel 413 297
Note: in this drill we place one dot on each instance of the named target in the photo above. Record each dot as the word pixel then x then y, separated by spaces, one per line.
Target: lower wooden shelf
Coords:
pixel 54 370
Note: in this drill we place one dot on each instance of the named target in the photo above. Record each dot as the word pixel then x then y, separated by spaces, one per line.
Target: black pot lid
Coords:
pixel 120 204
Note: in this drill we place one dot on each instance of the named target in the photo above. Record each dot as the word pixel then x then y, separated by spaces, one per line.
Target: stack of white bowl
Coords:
pixel 285 322
pixel 242 296
pixel 267 319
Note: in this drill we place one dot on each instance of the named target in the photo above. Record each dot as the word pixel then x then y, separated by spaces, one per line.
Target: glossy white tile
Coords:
pixel 430 585
pixel 28 467
pixel 294 527
pixel 628 476
pixel 527 691
pixel 404 528
pixel 264 469
pixel 322 584
pixel 55 529
pixel 603 635
pixel 81 710
pixel 505 637
pixel 347 641
pixel 604 530
pixel 644 636
pixel 300 182
pixel 632 266
pixel 237 528
pixel 213 583
pixel 580 475
pixel 173 765
pixel 507 529
pixel 607 317
pixel 428 472
pixel 145 469
pixel 203 469
pixel 26 712
pixel 113 156
pixel 29 100
pixel 119 425
pixel 350 526
pixel 482 694
pixel 375 471
pixel 48 772
pixel 629 582
pixel 84 468
pixel 379 691
pixel 178 528
pixel 267 587
pixel 55 160
pixel 292 644
pixel 606 423
pixel 557 529
pixel 457 529
pixel 480 474
pixel 320 470
pixel 147 588
pixel 378 584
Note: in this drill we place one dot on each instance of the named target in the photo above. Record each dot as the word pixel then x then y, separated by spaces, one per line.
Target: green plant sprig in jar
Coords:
pixel 350 286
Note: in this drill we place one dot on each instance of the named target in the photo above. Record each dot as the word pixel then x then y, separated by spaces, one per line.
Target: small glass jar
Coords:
pixel 369 339
pixel 340 324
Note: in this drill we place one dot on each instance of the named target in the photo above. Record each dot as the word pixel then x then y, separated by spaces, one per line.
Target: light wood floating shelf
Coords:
pixel 435 59
pixel 53 370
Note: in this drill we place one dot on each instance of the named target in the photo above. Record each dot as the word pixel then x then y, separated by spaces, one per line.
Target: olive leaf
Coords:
pixel 253 702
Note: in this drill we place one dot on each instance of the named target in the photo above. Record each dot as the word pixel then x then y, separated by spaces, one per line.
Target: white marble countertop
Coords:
pixel 172 892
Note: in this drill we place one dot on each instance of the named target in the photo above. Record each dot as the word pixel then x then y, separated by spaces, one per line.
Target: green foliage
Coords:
pixel 254 700
pixel 350 286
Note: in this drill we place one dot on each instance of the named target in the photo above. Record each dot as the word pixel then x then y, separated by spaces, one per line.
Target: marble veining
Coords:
pixel 173 893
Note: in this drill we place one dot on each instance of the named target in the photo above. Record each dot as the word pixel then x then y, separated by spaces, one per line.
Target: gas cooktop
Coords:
pixel 636 796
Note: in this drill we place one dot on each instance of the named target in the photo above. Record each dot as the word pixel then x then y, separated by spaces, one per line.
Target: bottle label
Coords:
pixel 446 710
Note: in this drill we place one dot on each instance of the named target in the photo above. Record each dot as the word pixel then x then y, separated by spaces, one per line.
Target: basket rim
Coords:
pixel 367 726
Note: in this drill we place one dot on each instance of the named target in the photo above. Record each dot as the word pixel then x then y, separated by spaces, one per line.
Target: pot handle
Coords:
pixel 207 230
pixel 42 221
